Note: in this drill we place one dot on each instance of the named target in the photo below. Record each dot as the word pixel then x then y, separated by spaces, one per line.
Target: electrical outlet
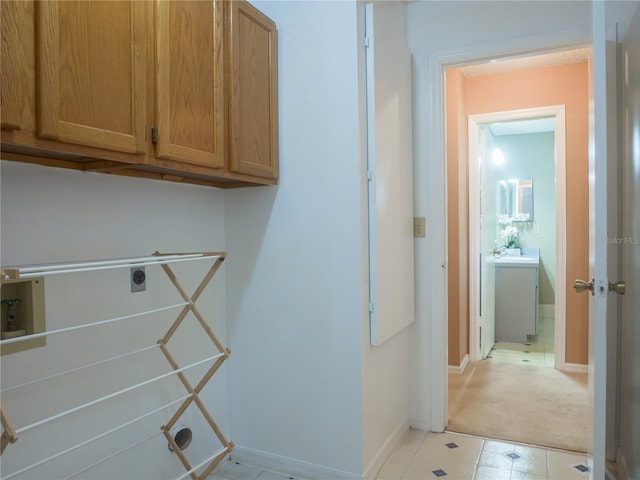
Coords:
pixel 419 227
pixel 138 279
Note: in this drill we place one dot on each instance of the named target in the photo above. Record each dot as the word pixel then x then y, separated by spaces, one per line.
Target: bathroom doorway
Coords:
pixel 517 231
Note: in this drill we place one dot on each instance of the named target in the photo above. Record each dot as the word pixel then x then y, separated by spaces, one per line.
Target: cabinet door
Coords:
pixel 253 102
pixel 516 303
pixel 91 73
pixel 16 72
pixel 190 82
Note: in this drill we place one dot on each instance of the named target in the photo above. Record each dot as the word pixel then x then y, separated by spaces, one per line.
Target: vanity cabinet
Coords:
pixel 516 301
pixel 178 90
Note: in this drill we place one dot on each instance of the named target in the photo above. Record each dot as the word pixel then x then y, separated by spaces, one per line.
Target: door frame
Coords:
pixel 429 394
pixel 428 400
pixel 560 170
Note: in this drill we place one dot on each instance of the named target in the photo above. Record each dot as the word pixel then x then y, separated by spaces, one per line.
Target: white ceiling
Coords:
pixel 578 55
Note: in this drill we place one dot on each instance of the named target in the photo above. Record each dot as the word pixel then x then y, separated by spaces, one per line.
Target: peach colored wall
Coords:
pixel 562 85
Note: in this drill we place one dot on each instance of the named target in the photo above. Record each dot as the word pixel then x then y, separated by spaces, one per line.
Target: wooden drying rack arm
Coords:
pixel 9 433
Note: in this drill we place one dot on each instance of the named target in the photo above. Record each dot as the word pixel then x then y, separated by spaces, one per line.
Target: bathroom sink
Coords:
pixel 522 260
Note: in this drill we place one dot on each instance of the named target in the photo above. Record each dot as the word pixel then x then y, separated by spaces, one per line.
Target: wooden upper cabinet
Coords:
pixel 91 66
pixel 179 90
pixel 16 71
pixel 253 102
pixel 190 109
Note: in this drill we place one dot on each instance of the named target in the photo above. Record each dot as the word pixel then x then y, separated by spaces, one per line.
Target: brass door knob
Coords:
pixel 619 287
pixel 581 286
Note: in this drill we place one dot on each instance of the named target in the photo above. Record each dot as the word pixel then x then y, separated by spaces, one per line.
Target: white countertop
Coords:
pixel 529 257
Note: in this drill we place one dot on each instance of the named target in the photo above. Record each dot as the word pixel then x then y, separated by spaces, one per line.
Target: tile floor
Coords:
pixel 538 350
pixel 451 456
pixel 230 470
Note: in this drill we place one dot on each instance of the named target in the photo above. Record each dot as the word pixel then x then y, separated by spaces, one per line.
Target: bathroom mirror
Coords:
pixel 515 199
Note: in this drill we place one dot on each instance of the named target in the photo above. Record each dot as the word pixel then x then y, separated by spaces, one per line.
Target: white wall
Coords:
pixel 296 289
pixel 450 33
pixel 54 215
pixel 309 393
pixel 385 373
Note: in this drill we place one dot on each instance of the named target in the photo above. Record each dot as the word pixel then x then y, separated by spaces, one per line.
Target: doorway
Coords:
pixel 522 152
pixel 471 256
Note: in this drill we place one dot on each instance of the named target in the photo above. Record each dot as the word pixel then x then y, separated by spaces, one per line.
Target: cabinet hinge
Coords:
pixel 154 134
pixel 371 307
pixel 369 174
pixel 366 42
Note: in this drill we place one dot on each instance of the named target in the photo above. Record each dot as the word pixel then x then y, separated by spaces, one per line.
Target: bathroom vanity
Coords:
pixel 517 296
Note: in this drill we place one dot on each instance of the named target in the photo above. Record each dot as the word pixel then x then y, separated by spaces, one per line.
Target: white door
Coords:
pixel 390 171
pixel 488 238
pixel 629 243
pixel 604 230
pixel 482 228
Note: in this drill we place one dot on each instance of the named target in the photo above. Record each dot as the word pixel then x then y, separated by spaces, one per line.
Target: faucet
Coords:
pixel 499 253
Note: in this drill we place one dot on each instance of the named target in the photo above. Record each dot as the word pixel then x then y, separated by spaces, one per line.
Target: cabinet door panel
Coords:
pixel 16 71
pixel 516 303
pixel 253 92
pixel 190 82
pixel 91 72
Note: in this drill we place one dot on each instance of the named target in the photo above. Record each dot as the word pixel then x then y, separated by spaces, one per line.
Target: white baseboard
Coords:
pixel 288 466
pixel 547 310
pixel 573 368
pixel 310 471
pixel 378 460
pixel 422 424
pixel 463 365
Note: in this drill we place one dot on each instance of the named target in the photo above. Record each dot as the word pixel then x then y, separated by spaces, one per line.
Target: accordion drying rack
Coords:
pixel 10 434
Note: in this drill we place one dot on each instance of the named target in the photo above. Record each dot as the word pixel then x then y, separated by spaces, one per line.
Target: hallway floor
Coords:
pixel 451 456
pixel 454 456
pixel 516 395
pixel 422 455
pixel 231 470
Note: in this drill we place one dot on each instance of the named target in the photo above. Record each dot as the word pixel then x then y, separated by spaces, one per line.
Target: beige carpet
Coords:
pixel 531 404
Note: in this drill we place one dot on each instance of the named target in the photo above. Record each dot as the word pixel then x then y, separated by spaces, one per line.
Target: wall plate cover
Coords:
pixel 138 279
pixel 419 227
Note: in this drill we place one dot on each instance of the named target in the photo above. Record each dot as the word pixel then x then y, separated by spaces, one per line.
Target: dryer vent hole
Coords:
pixel 182 436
